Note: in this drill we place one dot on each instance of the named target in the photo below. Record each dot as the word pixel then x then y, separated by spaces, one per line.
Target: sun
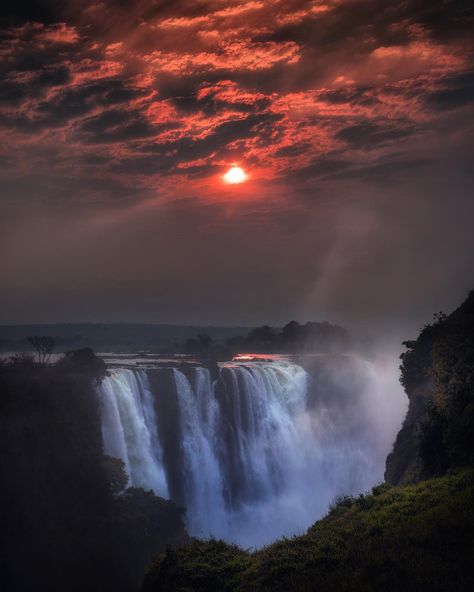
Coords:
pixel 235 175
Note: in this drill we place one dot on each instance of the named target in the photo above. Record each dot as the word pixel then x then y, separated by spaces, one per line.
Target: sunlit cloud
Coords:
pixel 276 84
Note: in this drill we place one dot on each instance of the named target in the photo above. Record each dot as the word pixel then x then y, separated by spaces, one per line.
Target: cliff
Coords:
pixel 437 373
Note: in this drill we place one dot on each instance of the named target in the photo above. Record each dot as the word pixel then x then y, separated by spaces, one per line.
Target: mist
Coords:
pixel 262 451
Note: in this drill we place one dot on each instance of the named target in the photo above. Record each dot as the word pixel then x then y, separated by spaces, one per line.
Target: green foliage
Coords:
pixel 201 566
pixel 412 538
pixel 342 501
pixel 450 422
pixel 116 476
pixel 381 488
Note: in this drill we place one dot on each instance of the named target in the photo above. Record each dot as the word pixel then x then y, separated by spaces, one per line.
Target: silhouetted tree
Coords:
pixel 263 336
pixel 199 344
pixel 43 345
pixel 116 475
pixel 291 333
pixel 85 362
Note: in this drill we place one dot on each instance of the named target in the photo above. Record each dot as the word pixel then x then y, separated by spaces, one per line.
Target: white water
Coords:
pixel 129 429
pixel 257 459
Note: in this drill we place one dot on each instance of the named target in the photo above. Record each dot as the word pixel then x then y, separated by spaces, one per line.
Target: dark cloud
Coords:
pixel 115 126
pixel 293 150
pixel 44 11
pixel 455 92
pixel 321 167
pixel 369 135
pixel 13 93
pixel 445 20
pixel 385 172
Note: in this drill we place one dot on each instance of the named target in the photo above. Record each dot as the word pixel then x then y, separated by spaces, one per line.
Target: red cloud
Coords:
pixel 274 84
pixel 235 55
pixel 59 33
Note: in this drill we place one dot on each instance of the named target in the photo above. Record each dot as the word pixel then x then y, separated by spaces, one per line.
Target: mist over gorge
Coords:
pixel 262 448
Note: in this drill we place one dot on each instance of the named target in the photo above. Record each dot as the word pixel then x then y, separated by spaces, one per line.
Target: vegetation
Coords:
pixel 292 338
pixel 200 566
pixel 68 523
pixel 411 538
pixel 117 337
pixel 166 339
pixel 43 345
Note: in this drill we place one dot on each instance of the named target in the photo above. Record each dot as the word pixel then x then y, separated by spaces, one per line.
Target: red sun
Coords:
pixel 235 175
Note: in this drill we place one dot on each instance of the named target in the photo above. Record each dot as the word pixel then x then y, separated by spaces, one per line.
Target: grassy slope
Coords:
pixel 419 537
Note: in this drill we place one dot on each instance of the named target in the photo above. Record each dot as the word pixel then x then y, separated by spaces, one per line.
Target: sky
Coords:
pixel 352 120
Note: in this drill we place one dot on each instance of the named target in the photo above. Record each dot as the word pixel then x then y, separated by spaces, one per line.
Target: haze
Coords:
pixel 353 120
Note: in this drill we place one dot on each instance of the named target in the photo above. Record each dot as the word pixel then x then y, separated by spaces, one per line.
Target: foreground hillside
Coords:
pixel 416 532
pixel 398 538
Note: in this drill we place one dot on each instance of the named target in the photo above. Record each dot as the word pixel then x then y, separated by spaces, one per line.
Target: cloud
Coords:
pixel 454 92
pixel 369 135
pixel 126 113
pixel 384 172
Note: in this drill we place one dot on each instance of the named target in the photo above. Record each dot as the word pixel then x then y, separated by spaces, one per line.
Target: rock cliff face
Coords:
pixel 437 373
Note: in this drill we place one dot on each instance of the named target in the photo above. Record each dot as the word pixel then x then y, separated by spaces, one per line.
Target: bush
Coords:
pixel 413 538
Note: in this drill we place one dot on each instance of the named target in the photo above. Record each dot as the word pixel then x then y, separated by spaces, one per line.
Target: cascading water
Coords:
pixel 253 456
pixel 129 429
pixel 203 484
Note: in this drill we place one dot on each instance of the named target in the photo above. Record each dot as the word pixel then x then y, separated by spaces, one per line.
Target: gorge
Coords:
pixel 254 449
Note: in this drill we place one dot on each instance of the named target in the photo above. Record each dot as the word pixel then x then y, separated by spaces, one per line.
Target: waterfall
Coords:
pixel 203 484
pixel 129 428
pixel 252 456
